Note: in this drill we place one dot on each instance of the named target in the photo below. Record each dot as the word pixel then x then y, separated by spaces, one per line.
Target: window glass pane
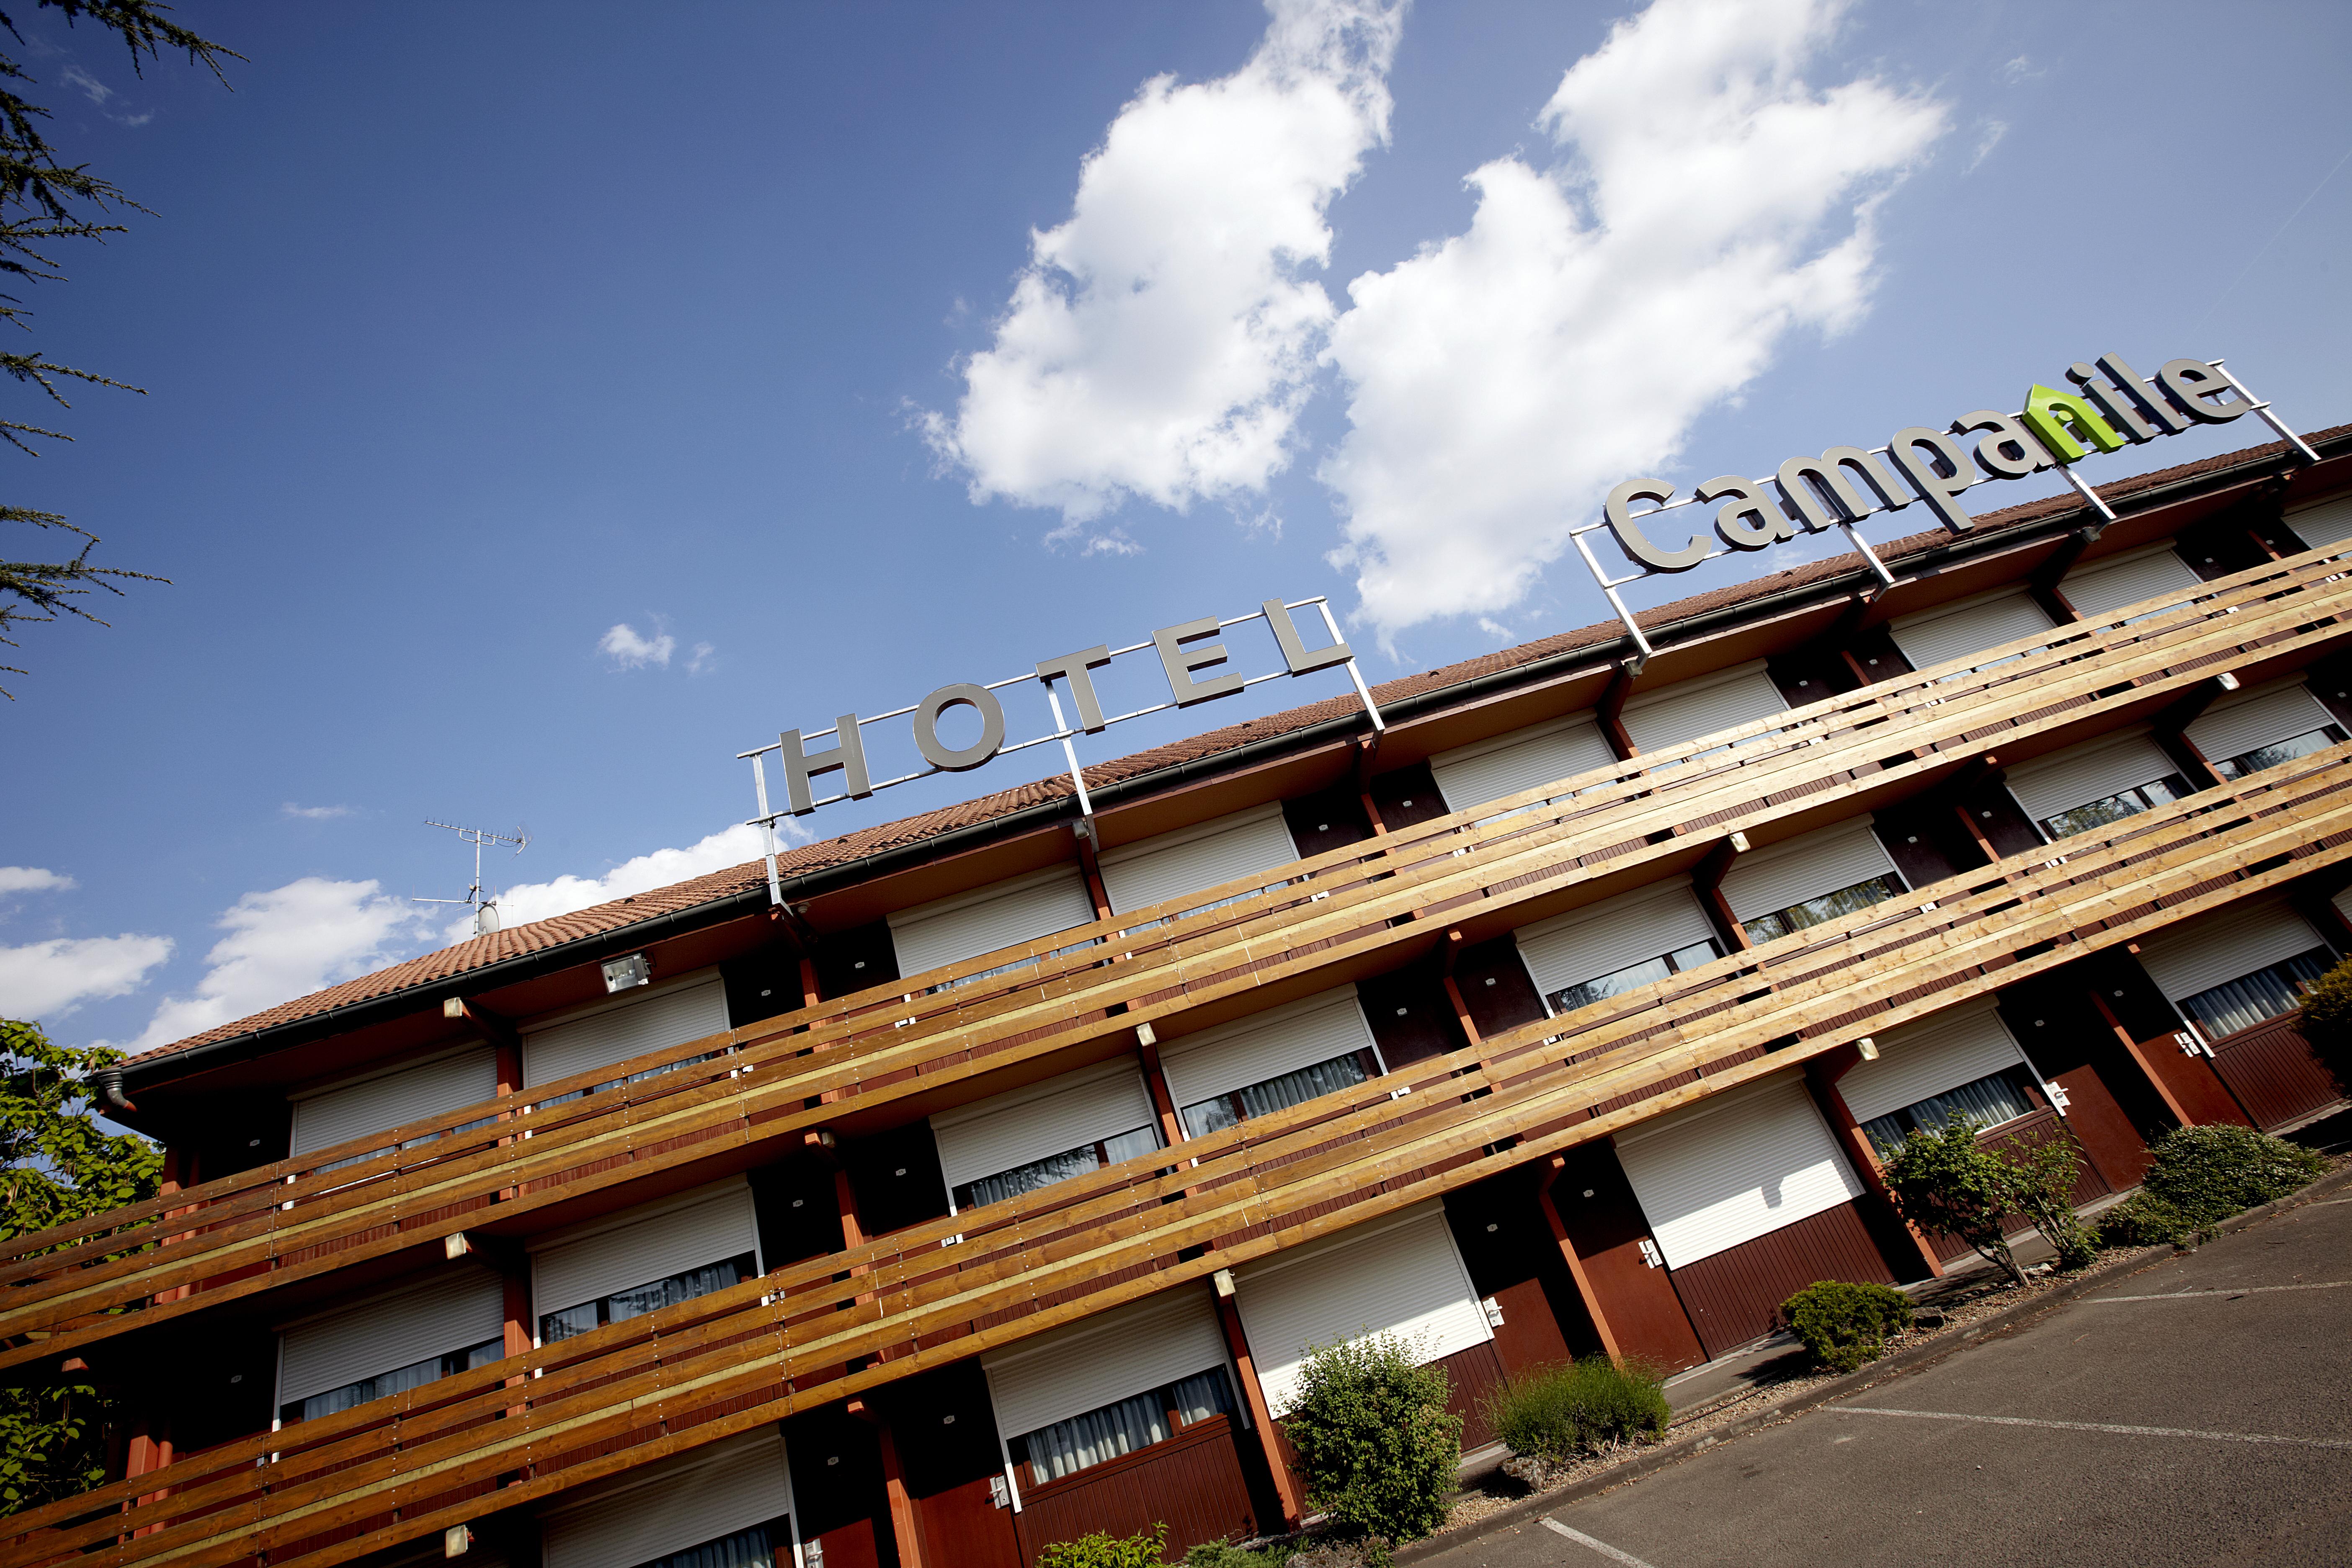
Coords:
pixel 744 1549
pixel 1199 1397
pixel 1816 912
pixel 1307 1083
pixel 2271 756
pixel 1128 1145
pixel 2265 994
pixel 1988 1102
pixel 623 1305
pixel 1693 956
pixel 2115 807
pixel 1209 1115
pixel 1069 1447
pixel 383 1384
pixel 1569 998
pixel 1028 1178
pixel 562 1325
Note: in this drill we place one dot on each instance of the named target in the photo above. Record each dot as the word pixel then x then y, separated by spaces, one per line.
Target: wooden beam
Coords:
pixel 1822 1081
pixel 2172 1105
pixel 1567 1245
pixel 497 1030
pixel 1610 712
pixel 1229 1323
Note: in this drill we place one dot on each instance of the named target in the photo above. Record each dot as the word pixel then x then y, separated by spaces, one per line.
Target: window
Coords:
pixel 383 1384
pixel 638 1299
pixel 1813 911
pixel 744 1549
pixel 1186 914
pixel 1273 1094
pixel 1585 993
pixel 436 1137
pixel 2115 807
pixel 2279 752
pixel 2265 994
pixel 1017 963
pixel 1065 1448
pixel 1988 1102
pixel 1053 1168
pixel 634 1077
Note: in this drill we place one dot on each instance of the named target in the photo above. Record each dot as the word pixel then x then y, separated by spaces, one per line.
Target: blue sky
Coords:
pixel 839 353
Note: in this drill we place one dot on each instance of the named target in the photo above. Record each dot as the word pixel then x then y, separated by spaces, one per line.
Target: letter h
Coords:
pixel 849 755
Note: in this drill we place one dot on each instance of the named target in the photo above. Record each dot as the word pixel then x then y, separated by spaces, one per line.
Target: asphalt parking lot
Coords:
pixel 2198 1412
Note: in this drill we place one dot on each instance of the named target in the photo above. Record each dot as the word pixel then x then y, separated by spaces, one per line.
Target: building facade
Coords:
pixel 993 1187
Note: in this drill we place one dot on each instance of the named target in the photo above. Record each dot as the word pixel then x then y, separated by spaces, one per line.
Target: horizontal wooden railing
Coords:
pixel 323 1492
pixel 264 1228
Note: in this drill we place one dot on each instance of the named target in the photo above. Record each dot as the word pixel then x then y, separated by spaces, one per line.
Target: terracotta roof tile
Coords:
pixel 539 936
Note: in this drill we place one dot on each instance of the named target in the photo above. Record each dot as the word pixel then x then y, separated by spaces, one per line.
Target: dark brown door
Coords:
pixel 1605 1224
pixel 946 1434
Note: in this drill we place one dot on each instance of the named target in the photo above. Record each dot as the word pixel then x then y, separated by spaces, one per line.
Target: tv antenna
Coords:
pixel 486 911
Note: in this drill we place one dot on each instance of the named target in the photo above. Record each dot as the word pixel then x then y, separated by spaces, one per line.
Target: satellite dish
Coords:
pixel 486 920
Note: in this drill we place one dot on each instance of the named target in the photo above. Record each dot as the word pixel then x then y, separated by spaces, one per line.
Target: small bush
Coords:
pixel 1941 1180
pixel 1141 1550
pixel 2199 1176
pixel 2144 1221
pixel 1219 1554
pixel 1846 1325
pixel 2326 1022
pixel 2046 1174
pixel 1579 1408
pixel 1375 1443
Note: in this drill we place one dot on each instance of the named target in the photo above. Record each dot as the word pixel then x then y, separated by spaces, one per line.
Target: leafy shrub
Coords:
pixel 1846 1325
pixel 1373 1438
pixel 1579 1407
pixel 2199 1176
pixel 2327 1021
pixel 1218 1554
pixel 2045 1191
pixel 1941 1180
pixel 1141 1550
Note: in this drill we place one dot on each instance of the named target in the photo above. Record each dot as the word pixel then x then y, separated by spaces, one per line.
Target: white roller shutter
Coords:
pixel 1522 760
pixel 1125 1352
pixel 628 1025
pixel 2263 717
pixel 324 1118
pixel 2343 902
pixel 1960 631
pixel 2328 524
pixel 1004 914
pixel 2081 775
pixel 1656 721
pixel 694 1230
pixel 703 1495
pixel 2228 944
pixel 1734 1168
pixel 1585 944
pixel 1234 1056
pixel 1929 1057
pixel 462 1309
pixel 1402 1278
pixel 2111 584
pixel 1170 865
pixel 1010 1130
pixel 1769 881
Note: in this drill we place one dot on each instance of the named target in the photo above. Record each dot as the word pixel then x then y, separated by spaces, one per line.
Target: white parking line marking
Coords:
pixel 1602 1547
pixel 2204 1295
pixel 2261 1437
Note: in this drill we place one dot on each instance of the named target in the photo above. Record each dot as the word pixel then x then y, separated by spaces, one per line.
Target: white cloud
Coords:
pixel 1708 201
pixel 544 900
pixel 1988 135
pixel 631 651
pixel 314 813
pixel 1161 341
pixel 97 91
pixel 284 943
pixel 47 980
pixel 704 656
pixel 32 880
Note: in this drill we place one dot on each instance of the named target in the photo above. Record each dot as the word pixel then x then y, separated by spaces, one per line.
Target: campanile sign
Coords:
pixel 2111 406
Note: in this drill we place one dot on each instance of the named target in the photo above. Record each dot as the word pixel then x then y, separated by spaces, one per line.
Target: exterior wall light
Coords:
pixel 626 973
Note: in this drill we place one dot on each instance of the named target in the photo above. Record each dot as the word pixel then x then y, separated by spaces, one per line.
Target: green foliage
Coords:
pixel 2327 1021
pixel 43 200
pixel 1846 1325
pixel 1378 1449
pixel 2044 1192
pixel 1579 1407
pixel 1141 1550
pixel 1218 1554
pixel 2199 1176
pixel 61 1166
pixel 1942 1181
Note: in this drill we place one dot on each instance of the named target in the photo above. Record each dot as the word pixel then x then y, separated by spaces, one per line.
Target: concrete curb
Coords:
pixel 1651 1460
